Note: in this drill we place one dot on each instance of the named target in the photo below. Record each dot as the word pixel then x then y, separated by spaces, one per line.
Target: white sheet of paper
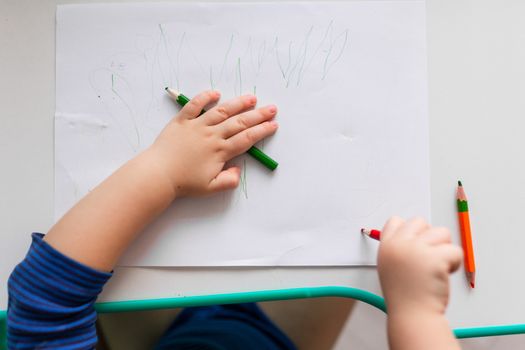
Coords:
pixel 349 79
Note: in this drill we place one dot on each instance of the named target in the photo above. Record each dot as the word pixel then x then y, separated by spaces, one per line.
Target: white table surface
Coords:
pixel 476 60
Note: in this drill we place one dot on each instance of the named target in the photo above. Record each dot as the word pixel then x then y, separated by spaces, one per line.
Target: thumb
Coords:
pixel 226 180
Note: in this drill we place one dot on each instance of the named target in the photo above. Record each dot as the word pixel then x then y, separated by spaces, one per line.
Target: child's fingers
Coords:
pixel 242 141
pixel 452 254
pixel 413 227
pixel 225 110
pixel 391 227
pixel 436 235
pixel 226 180
pixel 243 121
pixel 193 108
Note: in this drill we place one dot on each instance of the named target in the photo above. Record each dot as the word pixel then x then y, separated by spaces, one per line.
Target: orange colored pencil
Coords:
pixel 466 235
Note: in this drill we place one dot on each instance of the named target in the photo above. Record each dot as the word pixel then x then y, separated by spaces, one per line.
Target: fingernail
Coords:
pixel 273 123
pixel 272 109
pixel 252 99
pixel 217 93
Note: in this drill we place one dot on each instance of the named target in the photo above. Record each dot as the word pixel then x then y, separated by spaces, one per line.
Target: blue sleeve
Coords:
pixel 51 301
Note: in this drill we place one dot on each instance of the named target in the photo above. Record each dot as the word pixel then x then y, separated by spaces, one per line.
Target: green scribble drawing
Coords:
pixel 165 43
pixel 239 63
pixel 179 50
pixel 261 56
pixel 302 58
pixel 240 76
pixel 226 57
pixel 276 45
pixel 327 63
pixel 130 110
pixel 328 29
pixel 237 83
pixel 244 180
pixel 212 86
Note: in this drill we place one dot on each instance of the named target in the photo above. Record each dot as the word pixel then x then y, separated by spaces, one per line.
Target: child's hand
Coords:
pixel 414 263
pixel 192 151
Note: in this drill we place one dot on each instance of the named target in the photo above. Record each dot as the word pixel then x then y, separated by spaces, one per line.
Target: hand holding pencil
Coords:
pixel 414 262
pixel 193 149
pixel 465 232
pixel 256 153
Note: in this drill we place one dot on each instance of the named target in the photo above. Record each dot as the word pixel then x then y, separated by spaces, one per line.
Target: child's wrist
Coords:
pixel 153 169
pixel 403 306
pixel 413 316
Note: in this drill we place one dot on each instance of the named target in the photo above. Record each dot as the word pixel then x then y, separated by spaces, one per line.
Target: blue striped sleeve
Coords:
pixel 51 301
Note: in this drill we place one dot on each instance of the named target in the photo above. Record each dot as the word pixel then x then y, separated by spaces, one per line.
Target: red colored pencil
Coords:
pixel 375 234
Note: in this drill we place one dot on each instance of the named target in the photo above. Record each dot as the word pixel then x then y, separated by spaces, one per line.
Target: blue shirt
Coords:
pixel 51 305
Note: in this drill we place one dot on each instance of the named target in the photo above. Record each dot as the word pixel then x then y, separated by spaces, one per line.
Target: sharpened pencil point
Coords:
pixel 459 183
pixel 166 88
pixel 362 230
pixel 472 284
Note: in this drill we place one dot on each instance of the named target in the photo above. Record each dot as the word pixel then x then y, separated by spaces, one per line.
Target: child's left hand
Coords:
pixel 191 152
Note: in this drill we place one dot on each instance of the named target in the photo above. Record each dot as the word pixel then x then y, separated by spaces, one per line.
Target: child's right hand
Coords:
pixel 414 263
pixel 192 150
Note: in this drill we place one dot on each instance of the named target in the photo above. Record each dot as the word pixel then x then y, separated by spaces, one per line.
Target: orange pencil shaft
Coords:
pixel 466 241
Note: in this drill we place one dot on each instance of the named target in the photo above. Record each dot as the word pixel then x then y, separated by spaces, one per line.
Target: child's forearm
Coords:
pixel 98 229
pixel 420 330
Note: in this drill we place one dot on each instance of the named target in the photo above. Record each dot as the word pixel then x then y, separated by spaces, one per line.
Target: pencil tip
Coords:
pixel 166 88
pixel 459 183
pixel 472 284
pixel 362 230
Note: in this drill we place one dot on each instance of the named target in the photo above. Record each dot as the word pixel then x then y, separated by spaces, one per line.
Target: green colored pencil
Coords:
pixel 256 153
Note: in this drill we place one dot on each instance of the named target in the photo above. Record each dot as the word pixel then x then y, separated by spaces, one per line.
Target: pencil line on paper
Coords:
pixel 240 75
pixel 320 44
pixel 327 66
pixel 244 180
pixel 226 57
pixel 303 56
pixel 179 49
pixel 276 45
pixel 130 110
pixel 211 78
pixel 165 42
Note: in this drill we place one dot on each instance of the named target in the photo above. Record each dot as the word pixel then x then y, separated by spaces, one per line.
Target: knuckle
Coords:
pixel 250 137
pixel 194 103
pixel 242 122
pixel 225 150
pixel 222 112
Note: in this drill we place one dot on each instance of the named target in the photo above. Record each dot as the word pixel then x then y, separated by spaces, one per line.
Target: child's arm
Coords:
pixel 52 292
pixel 414 263
pixel 186 159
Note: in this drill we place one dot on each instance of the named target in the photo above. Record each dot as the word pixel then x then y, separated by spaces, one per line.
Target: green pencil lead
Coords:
pixel 459 183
